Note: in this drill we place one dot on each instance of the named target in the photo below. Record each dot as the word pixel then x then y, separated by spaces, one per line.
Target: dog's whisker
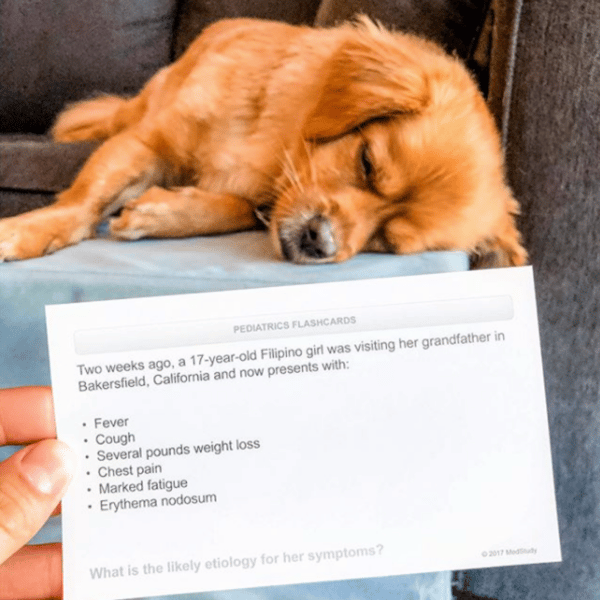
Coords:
pixel 311 164
pixel 291 172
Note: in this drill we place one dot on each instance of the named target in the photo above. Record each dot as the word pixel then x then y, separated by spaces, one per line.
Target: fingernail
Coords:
pixel 49 466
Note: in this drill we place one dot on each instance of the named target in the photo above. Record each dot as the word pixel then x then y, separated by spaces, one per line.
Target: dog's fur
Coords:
pixel 354 138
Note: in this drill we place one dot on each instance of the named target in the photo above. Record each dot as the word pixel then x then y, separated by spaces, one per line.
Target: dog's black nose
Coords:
pixel 316 239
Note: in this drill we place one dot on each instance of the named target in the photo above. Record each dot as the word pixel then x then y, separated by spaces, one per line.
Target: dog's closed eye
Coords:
pixel 366 168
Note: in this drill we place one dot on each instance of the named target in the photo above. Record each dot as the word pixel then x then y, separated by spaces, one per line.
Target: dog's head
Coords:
pixel 399 153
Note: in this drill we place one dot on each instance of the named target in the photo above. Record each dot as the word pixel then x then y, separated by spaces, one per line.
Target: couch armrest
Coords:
pixel 33 168
pixel 37 163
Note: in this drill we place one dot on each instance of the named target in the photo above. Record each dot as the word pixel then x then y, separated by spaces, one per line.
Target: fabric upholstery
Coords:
pixel 33 168
pixel 21 154
pixel 194 15
pixel 56 52
pixel 551 124
pixel 453 23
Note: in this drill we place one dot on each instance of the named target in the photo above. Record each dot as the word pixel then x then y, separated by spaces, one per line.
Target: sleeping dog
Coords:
pixel 347 139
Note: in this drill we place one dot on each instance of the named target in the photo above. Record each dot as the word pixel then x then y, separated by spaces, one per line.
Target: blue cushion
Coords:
pixel 102 268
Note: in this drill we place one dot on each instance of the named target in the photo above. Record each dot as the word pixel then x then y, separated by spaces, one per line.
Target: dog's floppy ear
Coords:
pixel 370 76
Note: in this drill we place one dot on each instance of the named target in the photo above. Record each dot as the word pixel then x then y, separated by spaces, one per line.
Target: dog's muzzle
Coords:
pixel 310 241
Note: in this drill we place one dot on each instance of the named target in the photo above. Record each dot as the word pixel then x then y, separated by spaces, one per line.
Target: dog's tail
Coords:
pixel 96 119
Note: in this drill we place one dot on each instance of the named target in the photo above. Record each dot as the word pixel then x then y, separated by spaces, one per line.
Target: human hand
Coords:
pixel 32 482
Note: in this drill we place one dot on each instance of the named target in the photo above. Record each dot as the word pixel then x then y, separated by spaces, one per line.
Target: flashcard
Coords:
pixel 305 433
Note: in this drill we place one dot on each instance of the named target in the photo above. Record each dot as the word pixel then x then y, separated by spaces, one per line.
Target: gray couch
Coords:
pixel 539 64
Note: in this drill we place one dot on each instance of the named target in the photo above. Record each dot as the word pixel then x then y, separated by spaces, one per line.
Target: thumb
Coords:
pixel 32 482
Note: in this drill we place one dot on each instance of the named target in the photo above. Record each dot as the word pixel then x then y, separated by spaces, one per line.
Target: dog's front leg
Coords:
pixel 121 169
pixel 182 212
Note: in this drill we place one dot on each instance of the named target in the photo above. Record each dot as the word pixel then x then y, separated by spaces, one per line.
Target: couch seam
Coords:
pixel 510 70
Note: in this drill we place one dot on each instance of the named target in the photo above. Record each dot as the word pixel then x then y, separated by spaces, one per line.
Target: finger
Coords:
pixel 26 415
pixel 16 574
pixel 32 482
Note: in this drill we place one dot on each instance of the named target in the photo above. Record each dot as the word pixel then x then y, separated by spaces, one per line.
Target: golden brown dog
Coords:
pixel 355 138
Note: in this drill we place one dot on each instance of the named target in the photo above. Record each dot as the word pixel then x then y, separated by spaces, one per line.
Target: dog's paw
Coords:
pixel 35 234
pixel 140 218
pixel 499 253
pixel 8 245
pixel 16 241
pixel 131 224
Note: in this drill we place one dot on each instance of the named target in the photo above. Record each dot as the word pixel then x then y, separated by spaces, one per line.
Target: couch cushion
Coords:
pixel 34 163
pixel 104 268
pixel 15 202
pixel 59 51
pixel 546 92
pixel 455 24
pixel 195 15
